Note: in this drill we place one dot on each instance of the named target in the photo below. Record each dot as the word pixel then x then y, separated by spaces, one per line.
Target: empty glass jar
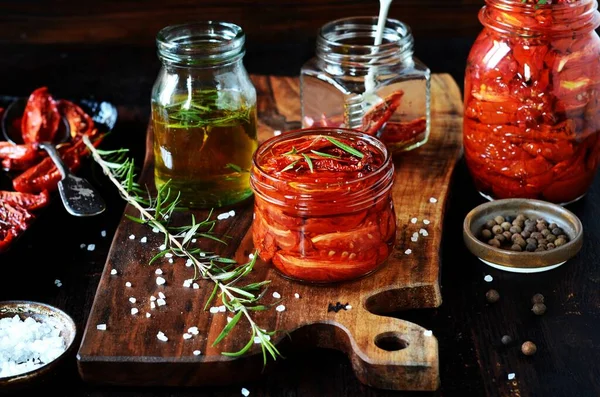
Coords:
pixel 382 90
pixel 203 115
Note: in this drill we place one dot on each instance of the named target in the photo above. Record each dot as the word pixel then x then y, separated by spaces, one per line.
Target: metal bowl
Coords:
pixel 44 313
pixel 522 262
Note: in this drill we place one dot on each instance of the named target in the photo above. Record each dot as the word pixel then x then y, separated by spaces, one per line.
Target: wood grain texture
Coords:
pixel 269 21
pixel 128 352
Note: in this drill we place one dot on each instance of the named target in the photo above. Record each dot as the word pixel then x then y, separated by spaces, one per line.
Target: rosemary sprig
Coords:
pixel 222 272
pixel 289 166
pixel 309 162
pixel 326 155
pixel 344 147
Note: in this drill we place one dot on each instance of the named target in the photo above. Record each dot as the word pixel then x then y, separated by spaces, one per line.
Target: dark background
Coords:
pixel 105 49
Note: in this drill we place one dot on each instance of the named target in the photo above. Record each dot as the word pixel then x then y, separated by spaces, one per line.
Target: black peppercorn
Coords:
pixel 492 296
pixel 557 231
pixel 530 247
pixel 539 309
pixel 537 298
pixel 528 348
pixel 531 240
pixel 506 340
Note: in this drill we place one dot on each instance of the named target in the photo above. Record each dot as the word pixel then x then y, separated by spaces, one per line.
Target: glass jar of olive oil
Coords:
pixel 203 115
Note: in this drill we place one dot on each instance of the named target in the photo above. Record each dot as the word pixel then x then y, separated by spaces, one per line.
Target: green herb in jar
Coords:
pixel 204 145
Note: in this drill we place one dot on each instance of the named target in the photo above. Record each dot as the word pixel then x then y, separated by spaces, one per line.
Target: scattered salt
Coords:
pixel 152 305
pixel 187 336
pixel 214 310
pixel 132 237
pixel 276 132
pixel 195 286
pixel 168 255
pixel 188 283
pixel 197 352
pixel 414 237
pixel 427 332
pixel 161 302
pixel 162 247
pixel 432 200
pixel 170 260
pixel 245 392
pixel 132 300
pixel 229 319
pixel 148 315
pixel 152 298
pixel 189 263
pixel 222 309
pixel 113 271
pixel 276 295
pixel 128 284
pixel 257 338
pixel 160 280
pixel 161 295
pixel 158 271
pixel 408 251
pixel 82 246
pixel 144 240
pixel 297 295
pixel 413 220
pixel 194 240
pixel 424 232
pixel 511 376
pixel 155 230
pixel 232 213
pixel 222 216
pixel 488 278
pixel 193 330
pixel 103 233
pixel 251 256
pixel 101 327
pixel 348 307
pixel 91 247
pixel 426 221
pixel 280 308
pixel 161 336
pixel 134 310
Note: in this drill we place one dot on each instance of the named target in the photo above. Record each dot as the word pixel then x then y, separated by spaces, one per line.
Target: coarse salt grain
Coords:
pixel 132 236
pixel 161 302
pixel 152 298
pixel 113 271
pixel 195 286
pixel 413 220
pixel 408 251
pixel 162 247
pixel 257 338
pixel 194 240
pixel 82 246
pixel 222 309
pixel 189 263
pixel 276 132
pixel 214 310
pixel 132 300
pixel 432 200
pixel 232 213
pixel 229 319
pixel 187 336
pixel 148 315
pixel 488 278
pixel 168 255
pixel 160 280
pixel 424 232
pixel 245 392
pixel 511 376
pixel 161 295
pixel 415 237
pixel 134 310
pixel 144 240
pixel 152 305
pixel 197 352
pixel 193 330
pixel 280 308
pixel 91 247
pixel 348 307
pixel 251 256
pixel 128 284
pixel 155 230
pixel 103 233
pixel 427 332
pixel 161 336
pixel 158 271
pixel 170 260
pixel 187 283
pixel 276 295
pixel 101 327
pixel 297 295
pixel 426 221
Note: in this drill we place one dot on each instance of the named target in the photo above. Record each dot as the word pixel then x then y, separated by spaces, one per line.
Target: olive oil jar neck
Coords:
pixel 202 45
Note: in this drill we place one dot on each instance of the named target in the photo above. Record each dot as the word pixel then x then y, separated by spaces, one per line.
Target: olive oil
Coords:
pixel 203 147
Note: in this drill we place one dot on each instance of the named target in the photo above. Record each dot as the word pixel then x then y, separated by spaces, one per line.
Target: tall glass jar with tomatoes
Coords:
pixel 532 89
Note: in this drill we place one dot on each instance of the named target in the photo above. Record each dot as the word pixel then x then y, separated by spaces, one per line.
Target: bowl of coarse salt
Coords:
pixel 34 340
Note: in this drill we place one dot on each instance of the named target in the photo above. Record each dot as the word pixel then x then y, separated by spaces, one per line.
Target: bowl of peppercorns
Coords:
pixel 522 235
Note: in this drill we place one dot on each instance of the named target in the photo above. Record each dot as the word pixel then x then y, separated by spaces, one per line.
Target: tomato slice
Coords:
pixel 41 117
pixel 17 217
pixel 380 114
pixel 80 122
pixel 27 201
pixel 6 237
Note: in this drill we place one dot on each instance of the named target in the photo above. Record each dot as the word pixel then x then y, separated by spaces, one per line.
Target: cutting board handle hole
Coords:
pixel 390 341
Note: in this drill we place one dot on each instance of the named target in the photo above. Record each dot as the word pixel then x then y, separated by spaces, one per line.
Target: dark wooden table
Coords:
pixel 472 360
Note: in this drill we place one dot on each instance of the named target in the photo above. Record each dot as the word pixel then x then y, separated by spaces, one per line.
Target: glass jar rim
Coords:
pixel 382 175
pixel 397 41
pixel 201 44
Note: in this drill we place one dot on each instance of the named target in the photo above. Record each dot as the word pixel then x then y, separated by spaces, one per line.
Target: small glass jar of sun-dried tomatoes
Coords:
pixel 532 100
pixel 323 204
pixel 380 89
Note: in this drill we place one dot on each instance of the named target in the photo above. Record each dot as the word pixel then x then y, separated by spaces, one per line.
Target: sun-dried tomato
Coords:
pixel 27 201
pixel 41 117
pixel 80 122
pixel 19 218
pixel 380 114
pixel 6 236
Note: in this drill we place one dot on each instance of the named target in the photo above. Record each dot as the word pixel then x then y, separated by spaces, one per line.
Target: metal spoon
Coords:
pixel 79 197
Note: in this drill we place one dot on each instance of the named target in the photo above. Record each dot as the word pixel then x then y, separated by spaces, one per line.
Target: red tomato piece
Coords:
pixel 27 201
pixel 41 117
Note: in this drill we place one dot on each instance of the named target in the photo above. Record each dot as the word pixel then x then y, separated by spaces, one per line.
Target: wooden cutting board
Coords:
pixel 385 352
